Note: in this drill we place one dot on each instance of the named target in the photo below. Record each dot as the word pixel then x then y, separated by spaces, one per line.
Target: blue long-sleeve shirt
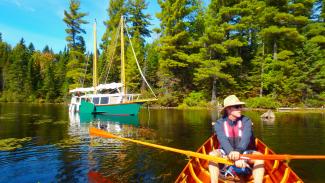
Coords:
pixel 246 142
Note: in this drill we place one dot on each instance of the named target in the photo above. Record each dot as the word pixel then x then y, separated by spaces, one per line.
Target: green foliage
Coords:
pixel 75 67
pixel 177 31
pixel 74 19
pixel 138 20
pixel 314 103
pixel 262 102
pixel 168 100
pixel 251 48
pixel 110 43
pixel 194 99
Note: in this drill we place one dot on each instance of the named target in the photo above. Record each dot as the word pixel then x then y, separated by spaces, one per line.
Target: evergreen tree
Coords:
pixel 219 56
pixel 131 69
pixel 152 65
pixel 281 37
pixel 31 48
pixel 175 70
pixel 75 67
pixel 74 19
pixel 15 75
pixel 139 21
pixel 49 89
pixel 311 61
pixel 5 51
pixel 138 30
pixel 46 49
pixel 60 74
pixel 111 44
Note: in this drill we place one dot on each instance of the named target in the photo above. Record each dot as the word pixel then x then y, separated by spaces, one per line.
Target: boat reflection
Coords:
pixel 79 123
pixel 95 177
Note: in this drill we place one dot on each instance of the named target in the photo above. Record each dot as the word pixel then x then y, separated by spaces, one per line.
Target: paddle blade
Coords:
pixel 97 132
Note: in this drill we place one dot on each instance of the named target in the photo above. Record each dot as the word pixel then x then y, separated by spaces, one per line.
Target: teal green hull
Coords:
pixel 115 109
pixel 124 120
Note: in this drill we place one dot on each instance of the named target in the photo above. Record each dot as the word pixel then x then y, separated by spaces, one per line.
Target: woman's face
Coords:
pixel 234 112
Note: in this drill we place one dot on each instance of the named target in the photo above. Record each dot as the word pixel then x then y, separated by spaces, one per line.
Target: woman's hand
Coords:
pixel 241 164
pixel 233 155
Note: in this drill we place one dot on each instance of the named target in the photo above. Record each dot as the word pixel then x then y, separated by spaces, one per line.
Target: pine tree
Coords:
pixel 74 19
pixel 16 72
pixel 60 74
pixel 311 61
pixel 131 70
pixel 138 21
pixel 110 43
pixel 152 65
pixel 282 24
pixel 219 56
pixel 49 89
pixel 5 51
pixel 75 67
pixel 175 71
pixel 31 48
pixel 138 30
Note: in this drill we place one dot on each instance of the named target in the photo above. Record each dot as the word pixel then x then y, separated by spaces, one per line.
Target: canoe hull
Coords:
pixel 196 170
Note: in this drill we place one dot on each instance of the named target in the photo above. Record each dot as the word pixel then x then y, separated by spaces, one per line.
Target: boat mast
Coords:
pixel 122 58
pixel 95 60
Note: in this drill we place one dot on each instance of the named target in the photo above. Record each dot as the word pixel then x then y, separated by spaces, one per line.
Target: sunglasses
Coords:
pixel 237 106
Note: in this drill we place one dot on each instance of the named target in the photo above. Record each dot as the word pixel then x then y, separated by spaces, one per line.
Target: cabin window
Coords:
pixel 96 100
pixel 104 100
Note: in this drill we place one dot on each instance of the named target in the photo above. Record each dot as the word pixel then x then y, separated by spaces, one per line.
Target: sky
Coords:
pixel 41 21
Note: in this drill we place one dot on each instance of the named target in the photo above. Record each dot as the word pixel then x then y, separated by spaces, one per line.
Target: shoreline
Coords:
pixel 280 109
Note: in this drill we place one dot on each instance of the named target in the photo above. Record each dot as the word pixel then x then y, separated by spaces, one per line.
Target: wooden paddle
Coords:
pixel 280 156
pixel 101 133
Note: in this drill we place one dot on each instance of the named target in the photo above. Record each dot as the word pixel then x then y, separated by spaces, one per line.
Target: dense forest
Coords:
pixel 269 52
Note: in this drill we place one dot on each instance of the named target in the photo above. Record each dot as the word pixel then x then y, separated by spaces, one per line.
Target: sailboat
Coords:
pixel 111 98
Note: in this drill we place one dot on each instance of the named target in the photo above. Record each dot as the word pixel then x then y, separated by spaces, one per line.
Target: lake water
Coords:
pixel 43 143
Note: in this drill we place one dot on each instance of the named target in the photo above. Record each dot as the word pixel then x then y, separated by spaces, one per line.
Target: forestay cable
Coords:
pixel 136 60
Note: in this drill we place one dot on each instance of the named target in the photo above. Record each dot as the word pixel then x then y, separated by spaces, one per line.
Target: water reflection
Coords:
pixel 60 149
pixel 268 121
pixel 95 177
pixel 124 125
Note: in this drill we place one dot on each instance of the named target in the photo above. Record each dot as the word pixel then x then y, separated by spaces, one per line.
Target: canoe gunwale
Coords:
pixel 275 170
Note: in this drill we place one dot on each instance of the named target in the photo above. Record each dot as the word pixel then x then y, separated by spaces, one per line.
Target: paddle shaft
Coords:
pixel 101 133
pixel 280 156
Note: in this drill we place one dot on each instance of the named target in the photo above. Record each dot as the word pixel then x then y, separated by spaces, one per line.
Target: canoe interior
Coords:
pixel 196 170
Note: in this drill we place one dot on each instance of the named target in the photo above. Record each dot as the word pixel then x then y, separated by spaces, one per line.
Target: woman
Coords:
pixel 234 133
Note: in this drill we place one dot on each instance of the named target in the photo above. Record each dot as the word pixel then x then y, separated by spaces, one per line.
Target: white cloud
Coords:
pixel 21 5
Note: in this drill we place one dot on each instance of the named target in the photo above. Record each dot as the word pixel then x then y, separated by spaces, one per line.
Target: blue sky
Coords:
pixel 40 21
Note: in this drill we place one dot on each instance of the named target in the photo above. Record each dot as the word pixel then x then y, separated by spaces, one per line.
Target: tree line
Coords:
pixel 270 52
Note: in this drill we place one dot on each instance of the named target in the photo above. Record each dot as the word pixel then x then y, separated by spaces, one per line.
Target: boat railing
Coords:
pixel 104 99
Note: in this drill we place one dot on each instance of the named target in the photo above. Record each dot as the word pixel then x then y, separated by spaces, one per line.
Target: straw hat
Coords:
pixel 231 100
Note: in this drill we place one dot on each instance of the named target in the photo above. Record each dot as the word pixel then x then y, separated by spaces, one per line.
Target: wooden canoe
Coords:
pixel 196 170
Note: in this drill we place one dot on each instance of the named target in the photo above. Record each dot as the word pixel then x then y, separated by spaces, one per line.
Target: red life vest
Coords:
pixel 234 134
pixel 233 131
